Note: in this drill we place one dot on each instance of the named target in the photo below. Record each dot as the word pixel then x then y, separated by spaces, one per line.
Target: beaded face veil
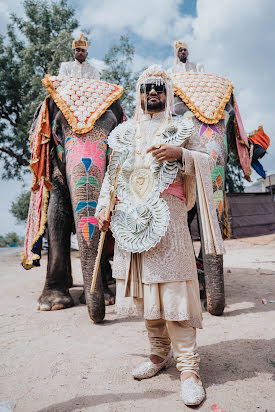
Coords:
pixel 157 76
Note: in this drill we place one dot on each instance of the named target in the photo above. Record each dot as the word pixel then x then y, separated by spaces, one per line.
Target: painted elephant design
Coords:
pixel 218 140
pixel 78 163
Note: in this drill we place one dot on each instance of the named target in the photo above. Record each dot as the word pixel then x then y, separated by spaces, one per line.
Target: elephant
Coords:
pixel 78 164
pixel 219 139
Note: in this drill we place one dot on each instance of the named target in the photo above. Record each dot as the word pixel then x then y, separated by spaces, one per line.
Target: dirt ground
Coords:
pixel 60 361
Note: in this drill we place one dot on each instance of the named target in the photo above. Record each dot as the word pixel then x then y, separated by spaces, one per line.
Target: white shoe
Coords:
pixel 149 369
pixel 192 392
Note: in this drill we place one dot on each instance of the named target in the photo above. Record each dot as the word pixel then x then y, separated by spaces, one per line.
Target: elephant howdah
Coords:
pixel 76 156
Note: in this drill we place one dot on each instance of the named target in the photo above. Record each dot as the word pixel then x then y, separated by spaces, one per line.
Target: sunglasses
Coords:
pixel 146 88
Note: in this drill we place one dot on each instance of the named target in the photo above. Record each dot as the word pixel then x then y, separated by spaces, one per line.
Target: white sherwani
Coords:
pixel 186 67
pixel 76 69
pixel 169 275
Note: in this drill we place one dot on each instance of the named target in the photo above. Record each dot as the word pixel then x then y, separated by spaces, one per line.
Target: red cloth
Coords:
pixel 40 166
pixel 259 137
pixel 176 189
pixel 242 143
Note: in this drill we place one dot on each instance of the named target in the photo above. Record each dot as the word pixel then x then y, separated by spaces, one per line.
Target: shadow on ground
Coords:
pixel 219 366
pixel 95 400
pixel 236 360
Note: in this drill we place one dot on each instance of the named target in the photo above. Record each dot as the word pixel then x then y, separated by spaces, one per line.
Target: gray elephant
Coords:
pixel 77 163
pixel 219 139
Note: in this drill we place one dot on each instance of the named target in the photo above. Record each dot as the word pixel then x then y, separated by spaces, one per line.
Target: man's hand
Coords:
pixel 103 223
pixel 165 152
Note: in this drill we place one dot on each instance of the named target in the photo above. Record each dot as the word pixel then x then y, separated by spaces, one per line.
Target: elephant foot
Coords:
pixel 53 299
pixel 109 297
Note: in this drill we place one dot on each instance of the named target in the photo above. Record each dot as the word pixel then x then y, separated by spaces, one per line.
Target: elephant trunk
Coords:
pixel 85 166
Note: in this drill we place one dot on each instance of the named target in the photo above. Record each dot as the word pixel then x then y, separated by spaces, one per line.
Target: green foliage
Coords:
pixel 118 61
pixel 33 46
pixel 234 180
pixel 11 239
pixel 20 207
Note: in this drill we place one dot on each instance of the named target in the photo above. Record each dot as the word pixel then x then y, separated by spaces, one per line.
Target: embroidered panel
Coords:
pixel 82 101
pixel 205 94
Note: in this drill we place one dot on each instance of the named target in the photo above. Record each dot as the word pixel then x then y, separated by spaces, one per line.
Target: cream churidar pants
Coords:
pixel 162 333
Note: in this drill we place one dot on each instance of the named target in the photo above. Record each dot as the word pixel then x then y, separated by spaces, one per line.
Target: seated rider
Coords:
pixel 79 67
pixel 182 64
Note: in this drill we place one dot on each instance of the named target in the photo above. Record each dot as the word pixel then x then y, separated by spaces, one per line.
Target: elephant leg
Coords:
pixel 214 282
pixel 95 301
pixel 106 272
pixel 55 294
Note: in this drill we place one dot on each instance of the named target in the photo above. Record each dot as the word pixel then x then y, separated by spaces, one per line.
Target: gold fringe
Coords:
pixel 68 114
pixel 43 120
pixel 226 222
pixel 28 263
pixel 200 115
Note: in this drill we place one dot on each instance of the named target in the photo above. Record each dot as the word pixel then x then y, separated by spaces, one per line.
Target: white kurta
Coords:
pixel 180 67
pixel 81 70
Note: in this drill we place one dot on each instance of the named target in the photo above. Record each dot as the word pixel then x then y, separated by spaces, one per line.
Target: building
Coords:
pixel 263 185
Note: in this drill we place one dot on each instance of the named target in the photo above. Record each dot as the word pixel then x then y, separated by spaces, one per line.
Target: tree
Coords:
pixel 234 175
pixel 118 61
pixel 34 45
pixel 20 207
pixel 11 239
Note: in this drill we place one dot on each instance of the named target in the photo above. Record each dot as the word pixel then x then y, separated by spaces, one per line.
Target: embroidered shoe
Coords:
pixel 149 369
pixel 192 392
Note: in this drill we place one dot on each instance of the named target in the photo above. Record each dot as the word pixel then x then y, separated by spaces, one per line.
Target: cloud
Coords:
pixel 97 63
pixel 235 39
pixel 13 6
pixel 158 21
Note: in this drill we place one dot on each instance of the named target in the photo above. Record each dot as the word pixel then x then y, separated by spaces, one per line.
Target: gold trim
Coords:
pixel 197 112
pixel 226 221
pixel 28 263
pixel 68 114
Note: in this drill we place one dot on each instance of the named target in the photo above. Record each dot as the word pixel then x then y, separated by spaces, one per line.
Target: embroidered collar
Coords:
pixel 80 64
pixel 155 116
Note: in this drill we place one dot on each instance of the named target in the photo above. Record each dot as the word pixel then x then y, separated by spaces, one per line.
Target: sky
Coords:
pixel 232 38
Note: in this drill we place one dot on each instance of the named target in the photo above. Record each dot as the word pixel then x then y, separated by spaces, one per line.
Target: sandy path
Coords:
pixel 60 361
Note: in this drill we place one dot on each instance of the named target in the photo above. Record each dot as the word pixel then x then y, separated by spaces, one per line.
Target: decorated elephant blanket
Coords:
pixel 82 102
pixel 206 95
pixel 40 166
